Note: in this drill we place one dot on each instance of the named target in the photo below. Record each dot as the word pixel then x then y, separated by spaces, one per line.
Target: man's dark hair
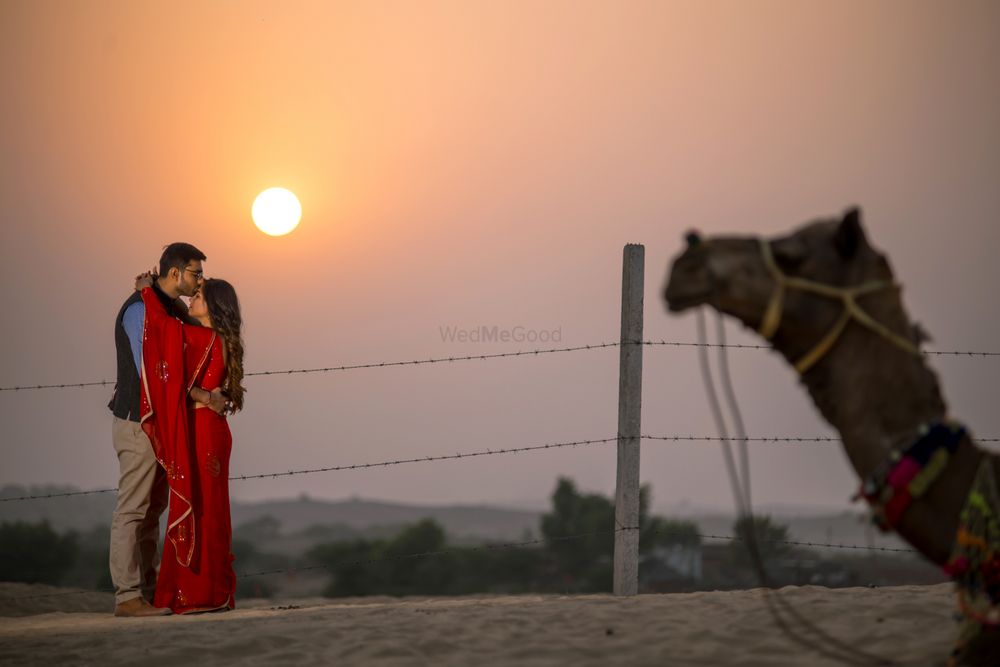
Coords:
pixel 178 255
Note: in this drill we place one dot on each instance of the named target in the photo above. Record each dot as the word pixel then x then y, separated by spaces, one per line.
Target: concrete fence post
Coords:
pixel 626 565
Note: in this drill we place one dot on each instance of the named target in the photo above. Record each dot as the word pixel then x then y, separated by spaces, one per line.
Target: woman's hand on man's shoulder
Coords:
pixel 144 280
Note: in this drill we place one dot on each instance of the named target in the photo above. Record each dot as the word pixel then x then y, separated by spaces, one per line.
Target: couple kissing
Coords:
pixel 180 373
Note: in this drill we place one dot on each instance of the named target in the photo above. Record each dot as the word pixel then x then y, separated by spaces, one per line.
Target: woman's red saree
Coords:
pixel 193 446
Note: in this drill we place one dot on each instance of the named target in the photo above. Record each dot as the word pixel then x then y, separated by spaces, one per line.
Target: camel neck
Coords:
pixel 876 395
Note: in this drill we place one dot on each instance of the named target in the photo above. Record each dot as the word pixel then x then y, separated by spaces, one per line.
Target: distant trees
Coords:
pixel 262 529
pixel 573 555
pixel 581 564
pixel 658 531
pixel 418 560
pixel 584 564
pixel 249 559
pixel 34 553
pixel 770 540
pixel 90 569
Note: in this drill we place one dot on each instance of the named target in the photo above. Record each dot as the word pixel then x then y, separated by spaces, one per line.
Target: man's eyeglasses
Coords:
pixel 200 275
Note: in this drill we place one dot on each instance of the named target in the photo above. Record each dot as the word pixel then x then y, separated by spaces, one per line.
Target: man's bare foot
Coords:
pixel 138 607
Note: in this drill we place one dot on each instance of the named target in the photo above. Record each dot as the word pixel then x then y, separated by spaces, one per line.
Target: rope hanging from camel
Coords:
pixel 805 632
pixel 847 295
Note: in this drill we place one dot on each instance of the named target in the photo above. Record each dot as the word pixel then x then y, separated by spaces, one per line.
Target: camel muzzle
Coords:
pixel 690 283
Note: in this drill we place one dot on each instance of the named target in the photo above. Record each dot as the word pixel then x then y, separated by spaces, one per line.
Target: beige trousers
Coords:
pixel 135 526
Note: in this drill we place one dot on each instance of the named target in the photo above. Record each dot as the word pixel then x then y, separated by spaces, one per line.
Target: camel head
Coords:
pixel 735 276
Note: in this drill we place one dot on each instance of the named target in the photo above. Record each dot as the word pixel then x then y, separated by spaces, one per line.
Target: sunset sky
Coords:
pixel 466 164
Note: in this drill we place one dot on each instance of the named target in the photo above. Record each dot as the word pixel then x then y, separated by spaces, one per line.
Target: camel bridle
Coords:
pixel 846 295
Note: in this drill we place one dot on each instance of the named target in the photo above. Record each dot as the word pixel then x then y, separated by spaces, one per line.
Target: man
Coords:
pixel 142 488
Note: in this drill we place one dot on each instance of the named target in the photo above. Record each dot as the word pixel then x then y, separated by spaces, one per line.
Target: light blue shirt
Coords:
pixel 132 321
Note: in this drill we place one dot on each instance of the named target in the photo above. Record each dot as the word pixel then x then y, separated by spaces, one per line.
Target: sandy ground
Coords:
pixel 912 625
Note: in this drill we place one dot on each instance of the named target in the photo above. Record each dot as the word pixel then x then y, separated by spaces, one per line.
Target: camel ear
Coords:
pixel 850 235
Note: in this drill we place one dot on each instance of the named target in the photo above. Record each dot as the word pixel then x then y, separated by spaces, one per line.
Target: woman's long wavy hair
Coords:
pixel 224 311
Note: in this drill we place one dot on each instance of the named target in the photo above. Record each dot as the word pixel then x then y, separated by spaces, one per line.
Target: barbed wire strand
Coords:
pixel 474 357
pixel 349 367
pixel 751 346
pixel 485 452
pixel 355 466
pixel 772 439
pixel 482 547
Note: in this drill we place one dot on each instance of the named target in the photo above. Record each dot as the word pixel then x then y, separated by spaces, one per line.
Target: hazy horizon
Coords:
pixel 479 165
pixel 679 508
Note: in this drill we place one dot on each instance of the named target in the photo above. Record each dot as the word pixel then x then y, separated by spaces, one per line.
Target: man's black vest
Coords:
pixel 125 401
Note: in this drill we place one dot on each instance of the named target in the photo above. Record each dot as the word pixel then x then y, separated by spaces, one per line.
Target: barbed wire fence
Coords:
pixel 485 546
pixel 481 453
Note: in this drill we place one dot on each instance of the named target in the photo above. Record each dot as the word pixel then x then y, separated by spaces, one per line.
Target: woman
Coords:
pixel 192 443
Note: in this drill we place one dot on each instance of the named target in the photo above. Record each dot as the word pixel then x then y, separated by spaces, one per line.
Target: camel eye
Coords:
pixel 788 257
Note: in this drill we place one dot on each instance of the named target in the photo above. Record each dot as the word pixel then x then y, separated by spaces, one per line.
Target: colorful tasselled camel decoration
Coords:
pixel 828 303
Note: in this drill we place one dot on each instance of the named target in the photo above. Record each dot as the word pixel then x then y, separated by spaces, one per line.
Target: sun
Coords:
pixel 276 211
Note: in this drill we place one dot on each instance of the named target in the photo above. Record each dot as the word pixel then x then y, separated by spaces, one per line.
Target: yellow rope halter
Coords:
pixel 847 295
